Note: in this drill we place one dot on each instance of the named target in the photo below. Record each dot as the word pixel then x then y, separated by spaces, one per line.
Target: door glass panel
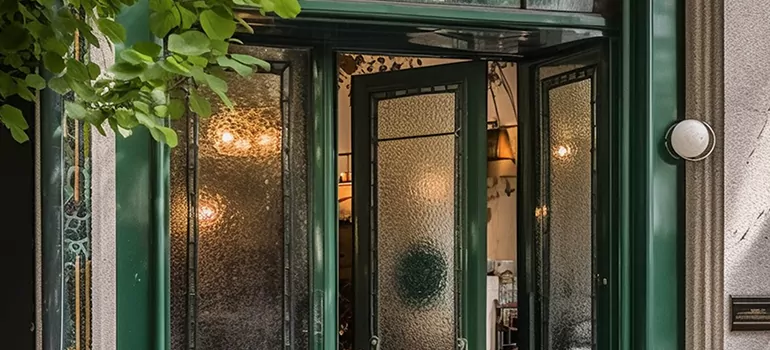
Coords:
pixel 415 215
pixel 568 149
pixel 416 115
pixel 562 5
pixel 239 265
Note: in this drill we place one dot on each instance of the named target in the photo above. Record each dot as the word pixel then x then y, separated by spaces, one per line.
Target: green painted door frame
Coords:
pixel 142 202
pixel 646 306
pixel 652 247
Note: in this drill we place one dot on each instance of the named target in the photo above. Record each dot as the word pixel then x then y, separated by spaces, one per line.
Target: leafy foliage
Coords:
pixel 146 85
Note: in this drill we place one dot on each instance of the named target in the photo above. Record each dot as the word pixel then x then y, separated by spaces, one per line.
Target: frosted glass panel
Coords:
pixel 252 286
pixel 416 115
pixel 562 5
pixel 570 214
pixel 416 240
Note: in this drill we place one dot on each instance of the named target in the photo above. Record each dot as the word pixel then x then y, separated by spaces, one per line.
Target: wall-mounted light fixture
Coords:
pixel 691 140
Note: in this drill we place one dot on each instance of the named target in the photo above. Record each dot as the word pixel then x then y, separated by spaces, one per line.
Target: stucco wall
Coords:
pixel 747 159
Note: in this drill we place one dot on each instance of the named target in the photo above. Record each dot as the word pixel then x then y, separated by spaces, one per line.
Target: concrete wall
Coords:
pixel 746 160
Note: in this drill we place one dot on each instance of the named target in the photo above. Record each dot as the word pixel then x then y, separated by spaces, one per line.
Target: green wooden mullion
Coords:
pixel 652 102
pixel 475 172
pixel 323 247
pixel 141 174
pixel 162 250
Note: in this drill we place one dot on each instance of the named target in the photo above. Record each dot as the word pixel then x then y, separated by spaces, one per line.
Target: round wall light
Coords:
pixel 691 140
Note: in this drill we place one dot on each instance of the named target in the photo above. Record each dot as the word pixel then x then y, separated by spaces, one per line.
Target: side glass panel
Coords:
pixel 566 236
pixel 239 221
pixel 415 221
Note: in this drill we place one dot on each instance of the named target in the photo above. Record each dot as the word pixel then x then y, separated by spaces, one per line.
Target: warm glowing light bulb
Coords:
pixel 207 213
pixel 265 140
pixel 562 151
pixel 227 137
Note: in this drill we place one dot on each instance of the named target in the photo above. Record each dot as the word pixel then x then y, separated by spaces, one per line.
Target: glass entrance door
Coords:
pixel 419 160
pixel 566 123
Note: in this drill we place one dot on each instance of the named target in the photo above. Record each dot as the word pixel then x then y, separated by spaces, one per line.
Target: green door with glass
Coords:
pixel 417 136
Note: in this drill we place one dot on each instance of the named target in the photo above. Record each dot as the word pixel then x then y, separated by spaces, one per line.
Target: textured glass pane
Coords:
pixel 562 5
pixel 416 239
pixel 570 214
pixel 416 115
pixel 252 288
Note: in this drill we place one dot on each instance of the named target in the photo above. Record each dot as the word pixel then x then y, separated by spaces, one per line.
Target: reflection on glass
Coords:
pixel 415 223
pixel 570 216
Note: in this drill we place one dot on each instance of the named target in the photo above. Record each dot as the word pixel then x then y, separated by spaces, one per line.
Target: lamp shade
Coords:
pixel 500 157
pixel 498 145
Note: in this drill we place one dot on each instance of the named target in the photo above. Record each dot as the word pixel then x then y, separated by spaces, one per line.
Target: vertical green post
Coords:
pixel 141 174
pixel 653 102
pixel 323 248
pixel 475 171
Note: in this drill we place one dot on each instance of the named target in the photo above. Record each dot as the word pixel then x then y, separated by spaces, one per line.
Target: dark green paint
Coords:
pixel 323 247
pixel 473 255
pixel 475 193
pixel 142 222
pixel 652 87
pixel 394 11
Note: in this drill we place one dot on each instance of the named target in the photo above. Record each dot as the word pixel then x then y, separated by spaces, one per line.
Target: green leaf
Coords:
pixel 19 135
pixel 286 8
pixel 77 70
pixel 85 92
pixel 148 48
pixel 171 65
pixel 235 40
pixel 244 25
pixel 126 118
pixel 94 70
pixel 75 110
pixel 159 96
pixel 127 71
pixel 217 25
pixel 251 61
pixel 162 22
pixel 53 62
pixel 198 61
pixel 219 47
pixel 143 108
pixel 188 17
pixel 239 67
pixel 160 110
pixel 55 45
pixel 189 43
pixel 113 30
pixel 59 85
pixel 12 117
pixel 154 73
pixel 161 5
pixel 14 37
pixel 176 108
pixel 23 90
pixel 169 136
pixel 135 57
pixel 200 105
pixel 85 30
pixel 7 85
pixel 35 81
